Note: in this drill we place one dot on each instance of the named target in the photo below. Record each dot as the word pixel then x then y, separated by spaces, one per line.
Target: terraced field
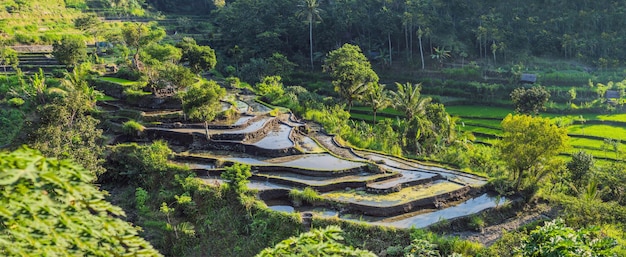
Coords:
pixel 593 135
pixel 376 188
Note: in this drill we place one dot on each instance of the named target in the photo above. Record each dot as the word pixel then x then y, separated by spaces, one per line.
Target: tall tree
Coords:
pixel 65 127
pixel 202 102
pixel 199 58
pixel 70 50
pixel 580 168
pixel 139 35
pixel 50 207
pixel 407 98
pixel 530 101
pixel 528 146
pixel 351 72
pixel 310 9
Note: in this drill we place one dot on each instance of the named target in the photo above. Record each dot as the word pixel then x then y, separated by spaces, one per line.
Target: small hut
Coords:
pixel 612 96
pixel 528 78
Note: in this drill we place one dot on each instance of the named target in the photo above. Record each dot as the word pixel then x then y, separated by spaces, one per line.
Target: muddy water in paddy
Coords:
pixel 324 162
pixel 250 128
pixel 308 145
pixel 448 174
pixel 320 181
pixel 278 138
pixel 407 176
pixel 418 219
pixel 242 107
pixel 468 207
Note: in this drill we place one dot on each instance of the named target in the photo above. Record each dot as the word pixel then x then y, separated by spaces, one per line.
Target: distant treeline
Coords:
pixel 591 31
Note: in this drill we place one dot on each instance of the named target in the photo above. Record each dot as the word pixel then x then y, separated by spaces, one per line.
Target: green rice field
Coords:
pixel 485 120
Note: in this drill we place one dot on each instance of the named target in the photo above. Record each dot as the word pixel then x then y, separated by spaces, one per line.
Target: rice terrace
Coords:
pixel 312 128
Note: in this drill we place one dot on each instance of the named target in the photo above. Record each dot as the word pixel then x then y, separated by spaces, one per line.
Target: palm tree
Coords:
pixel 310 10
pixel 407 99
pixel 440 55
pixel 377 98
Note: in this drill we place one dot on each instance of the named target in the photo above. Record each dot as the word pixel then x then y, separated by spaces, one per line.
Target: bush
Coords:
pixel 132 128
pixel 233 82
pixel 128 73
pixel 237 176
pixel 271 88
pixel 16 102
pixel 134 95
pixel 308 195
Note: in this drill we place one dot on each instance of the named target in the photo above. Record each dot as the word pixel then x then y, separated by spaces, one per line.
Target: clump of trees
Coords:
pixel 202 102
pixel 50 207
pixel 530 146
pixel 530 101
pixel 70 50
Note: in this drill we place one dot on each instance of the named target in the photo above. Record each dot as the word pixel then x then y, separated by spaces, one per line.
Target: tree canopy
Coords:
pixel 529 144
pixel 351 72
pixel 530 101
pixel 557 239
pixel 49 207
pixel 317 242
pixel 70 50
pixel 202 102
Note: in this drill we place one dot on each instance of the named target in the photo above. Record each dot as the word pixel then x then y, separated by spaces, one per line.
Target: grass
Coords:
pixel 480 122
pixel 105 98
pixel 490 131
pixel 120 81
pixel 605 131
pixel 405 195
pixel 478 111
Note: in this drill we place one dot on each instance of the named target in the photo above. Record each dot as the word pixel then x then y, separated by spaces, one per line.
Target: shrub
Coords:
pixel 271 88
pixel 233 82
pixel 237 176
pixel 308 194
pixel 128 73
pixel 275 112
pixel 132 128
pixel 16 102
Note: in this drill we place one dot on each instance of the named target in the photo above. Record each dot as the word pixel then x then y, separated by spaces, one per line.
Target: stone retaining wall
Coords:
pixel 211 126
pixel 172 137
pixel 321 188
pixel 236 146
pixel 247 136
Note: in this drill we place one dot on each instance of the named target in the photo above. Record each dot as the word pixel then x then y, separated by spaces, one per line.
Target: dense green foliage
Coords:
pixel 65 127
pixel 49 207
pixel 529 145
pixel 202 102
pixel 530 101
pixel 556 239
pixel 496 31
pixel 237 176
pixel 351 72
pixel 266 41
pixel 317 242
pixel 70 50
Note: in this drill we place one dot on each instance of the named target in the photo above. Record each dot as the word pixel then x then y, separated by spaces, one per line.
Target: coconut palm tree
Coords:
pixel 310 10
pixel 377 98
pixel 407 99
